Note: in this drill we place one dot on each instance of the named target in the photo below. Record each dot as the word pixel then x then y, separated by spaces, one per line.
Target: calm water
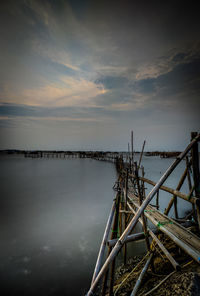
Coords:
pixel 52 217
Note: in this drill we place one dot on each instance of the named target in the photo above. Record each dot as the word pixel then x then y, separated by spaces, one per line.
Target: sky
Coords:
pixel 80 75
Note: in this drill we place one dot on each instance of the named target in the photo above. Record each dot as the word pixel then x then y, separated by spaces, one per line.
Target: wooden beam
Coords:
pixel 192 199
pixel 141 276
pixel 104 241
pixel 174 196
pixel 141 154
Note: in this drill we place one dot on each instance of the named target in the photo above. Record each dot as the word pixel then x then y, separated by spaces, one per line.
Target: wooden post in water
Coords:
pixel 115 235
pixel 125 215
pixel 174 198
pixel 132 153
pixel 140 200
pixel 188 164
pixel 104 286
pixel 141 154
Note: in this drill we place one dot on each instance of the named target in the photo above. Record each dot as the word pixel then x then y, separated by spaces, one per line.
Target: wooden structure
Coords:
pixel 131 206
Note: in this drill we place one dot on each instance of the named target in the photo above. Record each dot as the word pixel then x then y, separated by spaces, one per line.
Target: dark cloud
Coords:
pixel 112 82
pixel 145 86
pixel 184 78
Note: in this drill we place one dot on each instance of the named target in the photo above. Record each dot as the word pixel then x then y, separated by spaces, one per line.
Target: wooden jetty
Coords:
pixel 131 205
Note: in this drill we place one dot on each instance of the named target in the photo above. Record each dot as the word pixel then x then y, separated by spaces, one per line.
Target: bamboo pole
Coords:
pixel 132 153
pixel 196 174
pixel 104 286
pixel 134 220
pixel 188 173
pixel 125 215
pixel 104 241
pixel 141 154
pixel 115 233
pixel 173 197
pixel 142 215
pixel 142 274
pixel 195 254
pixel 130 238
pixel 157 200
pixel 188 164
pixel 165 251
pixel 162 247
pixel 192 199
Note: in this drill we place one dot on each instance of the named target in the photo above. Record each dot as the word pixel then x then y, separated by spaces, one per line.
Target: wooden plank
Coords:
pixel 185 239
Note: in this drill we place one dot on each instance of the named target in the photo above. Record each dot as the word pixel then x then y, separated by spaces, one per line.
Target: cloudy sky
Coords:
pixel 78 74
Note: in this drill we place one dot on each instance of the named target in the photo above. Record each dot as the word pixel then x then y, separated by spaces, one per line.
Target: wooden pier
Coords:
pixel 132 205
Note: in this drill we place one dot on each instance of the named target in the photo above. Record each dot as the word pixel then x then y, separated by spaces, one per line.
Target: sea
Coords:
pixel 52 217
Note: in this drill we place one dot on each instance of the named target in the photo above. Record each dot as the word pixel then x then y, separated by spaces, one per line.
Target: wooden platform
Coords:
pixel 184 238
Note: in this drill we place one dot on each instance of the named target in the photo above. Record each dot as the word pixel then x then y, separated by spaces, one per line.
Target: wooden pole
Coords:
pixel 188 173
pixel 142 274
pixel 134 220
pixel 142 215
pixel 104 241
pixel 125 215
pixel 130 238
pixel 194 253
pixel 165 251
pixel 141 154
pixel 157 200
pixel 115 234
pixel 167 189
pixel 132 154
pixel 188 164
pixel 174 196
pixel 162 247
pixel 196 174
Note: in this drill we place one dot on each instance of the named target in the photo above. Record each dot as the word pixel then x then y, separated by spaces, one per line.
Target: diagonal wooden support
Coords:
pixel 158 242
pixel 104 242
pixel 142 274
pixel 174 197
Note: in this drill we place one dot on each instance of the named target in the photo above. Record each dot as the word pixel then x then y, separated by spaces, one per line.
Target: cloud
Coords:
pixel 68 92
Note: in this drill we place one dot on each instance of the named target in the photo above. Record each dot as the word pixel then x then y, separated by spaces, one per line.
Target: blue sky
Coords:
pixel 83 74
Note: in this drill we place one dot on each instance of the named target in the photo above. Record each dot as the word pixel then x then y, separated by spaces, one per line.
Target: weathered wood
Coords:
pixel 192 199
pixel 141 154
pixel 196 174
pixel 165 251
pixel 142 215
pixel 185 239
pixel 154 237
pixel 104 241
pixel 115 234
pixel 130 238
pixel 134 220
pixel 157 200
pixel 125 216
pixel 132 153
pixel 141 276
pixel 174 197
